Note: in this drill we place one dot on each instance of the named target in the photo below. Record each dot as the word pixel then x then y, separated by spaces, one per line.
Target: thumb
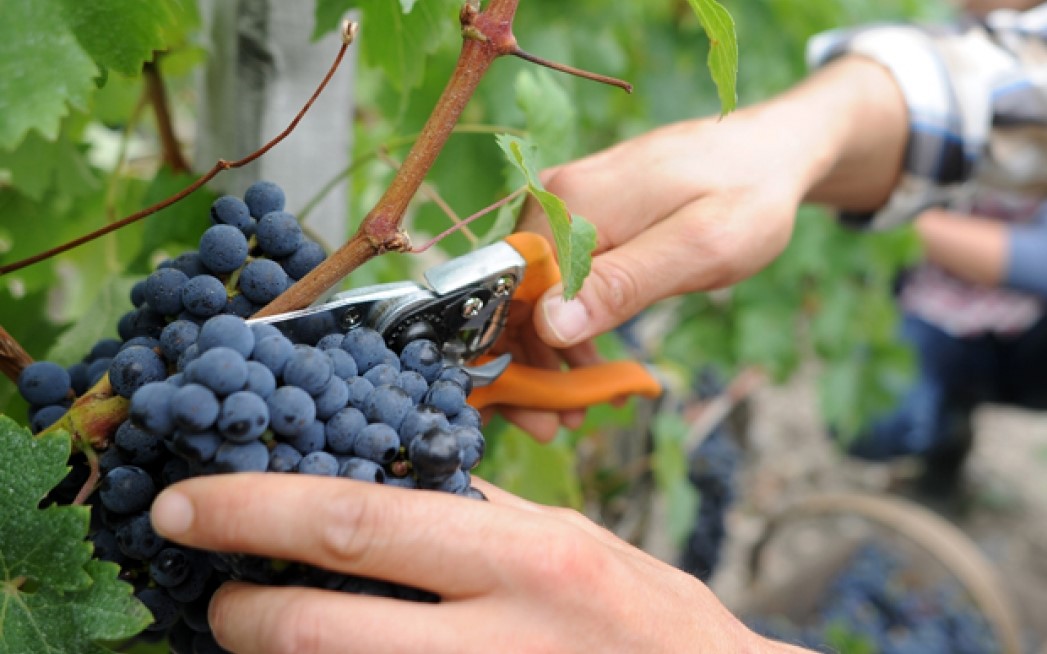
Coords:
pixel 607 299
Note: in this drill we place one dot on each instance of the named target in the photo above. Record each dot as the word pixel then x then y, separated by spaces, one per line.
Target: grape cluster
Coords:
pixel 876 600
pixel 210 393
pixel 252 253
pixel 712 469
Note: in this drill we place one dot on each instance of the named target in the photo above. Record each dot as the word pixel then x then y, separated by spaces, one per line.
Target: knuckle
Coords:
pixel 616 286
pixel 349 528
pixel 570 559
pixel 714 245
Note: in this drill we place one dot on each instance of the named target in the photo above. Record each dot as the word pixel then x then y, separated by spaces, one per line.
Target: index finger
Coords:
pixel 426 539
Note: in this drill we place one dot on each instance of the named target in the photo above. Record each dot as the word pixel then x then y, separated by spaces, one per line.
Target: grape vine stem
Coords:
pixel 486 35
pixel 13 357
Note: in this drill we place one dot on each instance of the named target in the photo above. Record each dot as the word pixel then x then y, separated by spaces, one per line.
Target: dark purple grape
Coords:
pixel 204 296
pixel 279 234
pixel 223 249
pixel 43 383
pixel 263 197
pixel 133 368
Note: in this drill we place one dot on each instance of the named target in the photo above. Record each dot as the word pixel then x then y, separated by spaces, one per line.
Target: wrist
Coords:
pixel 851 126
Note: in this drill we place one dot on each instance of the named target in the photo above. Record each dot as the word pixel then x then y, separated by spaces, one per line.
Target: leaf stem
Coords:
pixel 434 196
pixel 466 221
pixel 571 70
pixel 218 167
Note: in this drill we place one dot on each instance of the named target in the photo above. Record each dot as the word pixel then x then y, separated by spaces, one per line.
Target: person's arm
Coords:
pixel 971 248
pixel 703 204
pixel 513 576
pixel 986 251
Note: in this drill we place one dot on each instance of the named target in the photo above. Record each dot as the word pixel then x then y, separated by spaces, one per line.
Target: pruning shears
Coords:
pixel 463 307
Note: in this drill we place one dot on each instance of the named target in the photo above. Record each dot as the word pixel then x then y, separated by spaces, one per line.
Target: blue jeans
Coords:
pixel 954 376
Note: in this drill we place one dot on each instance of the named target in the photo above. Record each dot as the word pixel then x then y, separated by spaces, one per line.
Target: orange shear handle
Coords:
pixel 558 390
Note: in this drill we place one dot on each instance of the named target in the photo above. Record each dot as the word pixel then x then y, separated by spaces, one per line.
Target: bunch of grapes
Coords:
pixel 210 393
pixel 253 252
pixel 712 469
pixel 877 601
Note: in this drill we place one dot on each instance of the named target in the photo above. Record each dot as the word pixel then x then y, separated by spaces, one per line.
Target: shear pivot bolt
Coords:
pixel 350 319
pixel 503 287
pixel 472 307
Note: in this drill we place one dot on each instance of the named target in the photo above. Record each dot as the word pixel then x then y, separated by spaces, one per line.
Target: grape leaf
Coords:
pixel 142 27
pixel 46 545
pixel 723 49
pixel 42 70
pixel 543 473
pixel 39 165
pixel 51 51
pixel 51 622
pixel 552 120
pixel 395 36
pixel 107 306
pixel 574 236
pixel 53 598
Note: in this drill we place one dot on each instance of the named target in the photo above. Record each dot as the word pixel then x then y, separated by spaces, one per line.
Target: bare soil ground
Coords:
pixel 1003 510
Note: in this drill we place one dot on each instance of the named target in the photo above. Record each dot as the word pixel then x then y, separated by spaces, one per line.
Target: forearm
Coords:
pixel 856 117
pixel 971 248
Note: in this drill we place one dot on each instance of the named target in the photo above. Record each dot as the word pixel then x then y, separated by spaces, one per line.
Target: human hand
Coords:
pixel 703 204
pixel 676 210
pixel 513 576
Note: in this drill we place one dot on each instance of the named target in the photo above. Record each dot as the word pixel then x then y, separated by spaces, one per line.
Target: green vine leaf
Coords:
pixel 574 236
pixel 723 49
pixel 40 76
pixel 53 598
pixel 52 51
pixel 143 27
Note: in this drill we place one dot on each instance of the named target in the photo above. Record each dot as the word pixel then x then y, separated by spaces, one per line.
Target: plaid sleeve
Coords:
pixel 948 117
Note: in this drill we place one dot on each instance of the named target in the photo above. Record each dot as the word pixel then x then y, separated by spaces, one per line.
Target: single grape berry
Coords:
pixel 223 249
pixel 204 296
pixel 226 331
pixel 262 280
pixel 263 197
pixel 279 234
pixel 231 210
pixel 43 382
pixel 135 367
pixel 163 290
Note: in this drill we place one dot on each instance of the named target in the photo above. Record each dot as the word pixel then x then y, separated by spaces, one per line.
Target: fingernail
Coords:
pixel 567 320
pixel 172 513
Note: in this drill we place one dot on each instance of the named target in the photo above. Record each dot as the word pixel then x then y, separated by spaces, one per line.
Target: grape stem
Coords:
pixel 347 38
pixel 571 70
pixel 486 35
pixel 92 477
pixel 463 223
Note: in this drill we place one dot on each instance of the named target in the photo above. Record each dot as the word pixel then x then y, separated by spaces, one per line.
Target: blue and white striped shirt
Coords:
pixel 977 100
